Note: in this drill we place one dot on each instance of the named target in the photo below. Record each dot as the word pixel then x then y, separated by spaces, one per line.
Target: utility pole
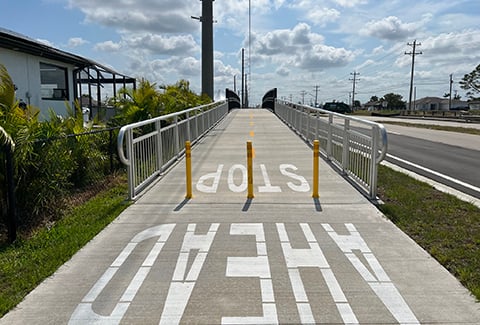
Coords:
pixel 413 53
pixel 243 78
pixel 207 47
pixel 450 99
pixel 354 74
pixel 303 93
pixel 316 94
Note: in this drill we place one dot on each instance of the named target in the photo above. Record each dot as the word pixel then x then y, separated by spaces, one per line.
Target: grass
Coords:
pixel 446 227
pixel 435 127
pixel 29 261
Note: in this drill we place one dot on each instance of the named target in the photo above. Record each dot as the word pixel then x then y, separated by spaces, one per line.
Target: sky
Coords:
pixel 304 48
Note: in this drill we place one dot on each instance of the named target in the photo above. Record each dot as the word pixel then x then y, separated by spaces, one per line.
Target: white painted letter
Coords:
pixel 183 282
pixel 312 257
pixel 253 266
pixel 268 186
pixel 231 184
pixel 84 313
pixel 216 179
pixel 303 187
pixel 378 280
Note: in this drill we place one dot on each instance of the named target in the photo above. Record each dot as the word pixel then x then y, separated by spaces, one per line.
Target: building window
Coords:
pixel 53 83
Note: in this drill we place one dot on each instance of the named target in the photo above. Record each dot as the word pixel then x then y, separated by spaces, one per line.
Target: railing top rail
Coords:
pixel 168 116
pixel 123 130
pixel 381 129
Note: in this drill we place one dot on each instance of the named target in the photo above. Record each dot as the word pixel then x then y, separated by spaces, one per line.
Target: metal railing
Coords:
pixel 147 148
pixel 354 145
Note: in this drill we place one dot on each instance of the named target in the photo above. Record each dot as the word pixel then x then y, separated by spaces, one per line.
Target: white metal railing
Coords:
pixel 354 145
pixel 149 147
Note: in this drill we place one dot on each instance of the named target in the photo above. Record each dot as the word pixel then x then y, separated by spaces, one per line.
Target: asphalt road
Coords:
pixel 458 163
pixel 447 157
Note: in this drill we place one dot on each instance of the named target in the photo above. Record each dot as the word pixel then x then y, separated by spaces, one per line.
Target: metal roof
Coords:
pixel 17 42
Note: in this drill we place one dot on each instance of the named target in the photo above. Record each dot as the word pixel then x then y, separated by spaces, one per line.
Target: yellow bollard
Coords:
pixel 316 153
pixel 188 167
pixel 250 170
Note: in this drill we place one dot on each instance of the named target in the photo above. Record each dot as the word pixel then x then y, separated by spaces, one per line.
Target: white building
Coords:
pixel 46 77
pixel 438 104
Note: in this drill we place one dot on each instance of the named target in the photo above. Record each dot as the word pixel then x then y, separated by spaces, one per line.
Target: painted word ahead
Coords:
pixel 237 180
pixel 196 250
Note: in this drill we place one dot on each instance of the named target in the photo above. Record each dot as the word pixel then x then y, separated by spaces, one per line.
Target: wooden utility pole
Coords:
pixel 413 53
pixel 450 98
pixel 354 74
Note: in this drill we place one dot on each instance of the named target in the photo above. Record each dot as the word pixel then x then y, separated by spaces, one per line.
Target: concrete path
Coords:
pixel 281 257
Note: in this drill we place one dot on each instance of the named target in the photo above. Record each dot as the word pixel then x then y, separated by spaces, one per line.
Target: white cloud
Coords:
pixel 351 3
pixel 163 45
pixel 166 16
pixel 76 41
pixel 316 12
pixel 108 46
pixel 299 47
pixel 389 28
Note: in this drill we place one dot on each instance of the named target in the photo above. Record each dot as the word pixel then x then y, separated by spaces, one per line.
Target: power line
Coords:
pixel 413 53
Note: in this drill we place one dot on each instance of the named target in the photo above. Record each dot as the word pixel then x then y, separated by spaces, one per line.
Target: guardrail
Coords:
pixel 356 151
pixel 147 148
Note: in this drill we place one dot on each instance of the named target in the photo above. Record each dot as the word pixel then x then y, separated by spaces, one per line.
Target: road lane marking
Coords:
pixel 446 177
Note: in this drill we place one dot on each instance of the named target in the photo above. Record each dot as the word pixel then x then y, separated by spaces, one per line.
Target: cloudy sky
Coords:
pixel 298 46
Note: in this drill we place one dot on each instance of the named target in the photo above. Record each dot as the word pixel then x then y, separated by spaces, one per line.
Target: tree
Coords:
pixel 394 101
pixel 471 83
pixel 374 99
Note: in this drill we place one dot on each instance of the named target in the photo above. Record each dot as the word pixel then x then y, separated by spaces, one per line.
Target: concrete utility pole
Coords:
pixel 450 99
pixel 354 74
pixel 413 53
pixel 316 94
pixel 243 78
pixel 207 47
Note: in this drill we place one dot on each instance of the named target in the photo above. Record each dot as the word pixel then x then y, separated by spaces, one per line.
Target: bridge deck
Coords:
pixel 279 258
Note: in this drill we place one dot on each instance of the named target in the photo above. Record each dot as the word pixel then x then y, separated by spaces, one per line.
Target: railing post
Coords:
pixel 346 146
pixel 188 169
pixel 159 145
pixel 374 166
pixel 316 153
pixel 308 124
pixel 131 166
pixel 250 194
pixel 330 136
pixel 189 135
pixel 176 137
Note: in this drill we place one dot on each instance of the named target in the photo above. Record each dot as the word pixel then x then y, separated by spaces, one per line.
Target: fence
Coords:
pixel 149 147
pixel 43 175
pixel 354 145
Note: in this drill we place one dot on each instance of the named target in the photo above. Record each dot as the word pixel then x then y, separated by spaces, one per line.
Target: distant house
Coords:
pixel 374 105
pixel 474 104
pixel 438 104
pixel 47 77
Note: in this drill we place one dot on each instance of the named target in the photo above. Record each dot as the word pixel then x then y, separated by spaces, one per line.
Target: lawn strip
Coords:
pixel 26 263
pixel 446 227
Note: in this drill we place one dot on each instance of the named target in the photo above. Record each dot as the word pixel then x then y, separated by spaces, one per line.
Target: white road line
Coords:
pixel 448 178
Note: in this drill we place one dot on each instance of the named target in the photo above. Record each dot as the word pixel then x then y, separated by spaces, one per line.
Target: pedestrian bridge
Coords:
pixel 283 255
pixel 354 146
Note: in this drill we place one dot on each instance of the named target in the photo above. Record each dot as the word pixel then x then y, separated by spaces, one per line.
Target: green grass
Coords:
pixel 29 261
pixel 435 127
pixel 446 227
